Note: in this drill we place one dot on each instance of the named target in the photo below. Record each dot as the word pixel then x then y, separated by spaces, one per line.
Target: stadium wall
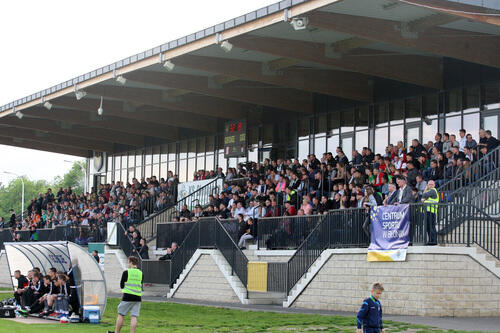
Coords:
pixel 434 281
pixel 205 280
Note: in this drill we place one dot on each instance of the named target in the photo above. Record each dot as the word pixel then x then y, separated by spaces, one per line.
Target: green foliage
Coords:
pixel 74 178
pixel 10 194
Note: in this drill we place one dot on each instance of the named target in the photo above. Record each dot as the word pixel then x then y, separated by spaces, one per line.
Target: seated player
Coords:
pixel 46 289
pixel 22 285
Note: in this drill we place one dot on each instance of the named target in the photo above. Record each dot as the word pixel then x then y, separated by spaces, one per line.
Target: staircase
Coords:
pixel 147 227
pixel 222 265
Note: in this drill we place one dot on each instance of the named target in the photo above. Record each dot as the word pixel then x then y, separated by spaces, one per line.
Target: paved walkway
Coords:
pixel 486 324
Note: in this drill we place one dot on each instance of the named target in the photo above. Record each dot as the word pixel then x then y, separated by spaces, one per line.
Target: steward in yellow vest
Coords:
pixel 131 285
pixel 430 198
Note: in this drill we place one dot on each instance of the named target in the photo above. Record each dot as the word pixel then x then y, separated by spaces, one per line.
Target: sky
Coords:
pixel 47 42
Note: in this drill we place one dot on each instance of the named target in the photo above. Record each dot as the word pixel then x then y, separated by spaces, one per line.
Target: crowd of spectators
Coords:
pixel 321 183
pixel 89 213
pixel 273 188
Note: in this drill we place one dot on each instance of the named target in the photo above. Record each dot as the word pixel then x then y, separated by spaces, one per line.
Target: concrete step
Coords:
pixel 265 298
pixel 156 290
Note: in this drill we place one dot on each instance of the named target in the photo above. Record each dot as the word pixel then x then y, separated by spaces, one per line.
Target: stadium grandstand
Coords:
pixel 262 147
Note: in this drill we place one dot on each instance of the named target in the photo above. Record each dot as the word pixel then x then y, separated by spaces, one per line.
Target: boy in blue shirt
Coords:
pixel 369 317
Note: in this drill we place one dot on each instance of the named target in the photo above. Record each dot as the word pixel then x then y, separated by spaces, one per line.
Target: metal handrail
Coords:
pixel 151 232
pixel 492 155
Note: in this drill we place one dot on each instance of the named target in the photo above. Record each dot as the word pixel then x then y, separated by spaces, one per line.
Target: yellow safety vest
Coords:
pixel 289 196
pixel 431 203
pixel 133 285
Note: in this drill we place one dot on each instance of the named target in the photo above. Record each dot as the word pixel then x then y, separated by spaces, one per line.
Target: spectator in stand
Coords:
pixel 392 196
pixel 356 158
pixel 306 206
pixel 404 193
pixel 274 210
pixel 12 220
pixel 420 185
pixel 470 142
pixel 463 139
pixel 170 252
pixel 491 141
pixel 437 142
pixel 247 231
pixel 454 142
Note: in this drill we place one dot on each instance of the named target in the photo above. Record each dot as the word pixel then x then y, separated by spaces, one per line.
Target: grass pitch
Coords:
pixel 171 317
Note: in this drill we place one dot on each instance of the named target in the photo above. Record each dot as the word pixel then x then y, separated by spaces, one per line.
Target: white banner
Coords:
pixel 112 230
pixel 187 188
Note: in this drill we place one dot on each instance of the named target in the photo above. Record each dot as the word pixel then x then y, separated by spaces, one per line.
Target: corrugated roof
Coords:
pixel 155 51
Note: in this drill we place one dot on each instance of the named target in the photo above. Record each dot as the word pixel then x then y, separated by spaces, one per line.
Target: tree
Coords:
pixel 75 178
pixel 10 195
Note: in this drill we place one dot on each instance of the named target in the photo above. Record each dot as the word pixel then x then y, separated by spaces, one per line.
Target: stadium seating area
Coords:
pixel 270 189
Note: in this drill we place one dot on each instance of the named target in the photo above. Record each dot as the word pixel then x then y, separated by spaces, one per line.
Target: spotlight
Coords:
pixel 80 94
pixel 226 46
pixel 121 80
pixel 100 111
pixel 299 23
pixel 169 65
pixel 47 105
pixel 19 115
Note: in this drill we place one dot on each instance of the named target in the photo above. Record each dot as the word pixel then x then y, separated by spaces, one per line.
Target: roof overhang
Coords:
pixel 346 47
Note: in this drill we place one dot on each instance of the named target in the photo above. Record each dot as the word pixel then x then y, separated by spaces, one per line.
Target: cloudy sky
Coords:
pixel 48 42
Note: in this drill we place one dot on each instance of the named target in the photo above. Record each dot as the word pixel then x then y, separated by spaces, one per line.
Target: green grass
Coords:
pixel 170 317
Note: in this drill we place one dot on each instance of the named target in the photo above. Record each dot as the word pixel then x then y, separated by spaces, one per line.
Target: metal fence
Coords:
pixel 81 235
pixel 172 232
pixel 147 226
pixel 276 276
pixel 286 232
pixel 184 253
pixel 156 271
pixel 234 256
pixel 487 168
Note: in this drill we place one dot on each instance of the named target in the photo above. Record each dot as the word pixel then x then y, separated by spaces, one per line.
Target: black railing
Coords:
pixel 307 253
pixel 184 253
pixel 234 256
pixel 125 243
pixel 276 276
pixel 345 228
pixel 147 227
pixel 172 232
pixel 156 271
pixel 286 232
pixel 485 166
pixel 81 235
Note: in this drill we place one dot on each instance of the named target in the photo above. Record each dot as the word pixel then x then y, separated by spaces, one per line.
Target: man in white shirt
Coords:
pixel 252 211
pixel 239 209
pixel 463 139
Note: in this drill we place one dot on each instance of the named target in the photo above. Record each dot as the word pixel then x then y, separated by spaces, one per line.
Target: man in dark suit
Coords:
pixel 404 192
pixel 392 196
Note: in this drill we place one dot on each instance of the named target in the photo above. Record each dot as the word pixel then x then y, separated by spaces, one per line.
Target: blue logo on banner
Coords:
pixel 390 227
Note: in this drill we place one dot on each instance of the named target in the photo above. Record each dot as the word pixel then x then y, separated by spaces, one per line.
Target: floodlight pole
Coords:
pixel 22 194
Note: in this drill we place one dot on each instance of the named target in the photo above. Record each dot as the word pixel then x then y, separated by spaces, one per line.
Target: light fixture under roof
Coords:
pixel 47 105
pixel 79 94
pixel 226 46
pixel 100 110
pixel 169 65
pixel 121 80
pixel 19 115
pixel 299 23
